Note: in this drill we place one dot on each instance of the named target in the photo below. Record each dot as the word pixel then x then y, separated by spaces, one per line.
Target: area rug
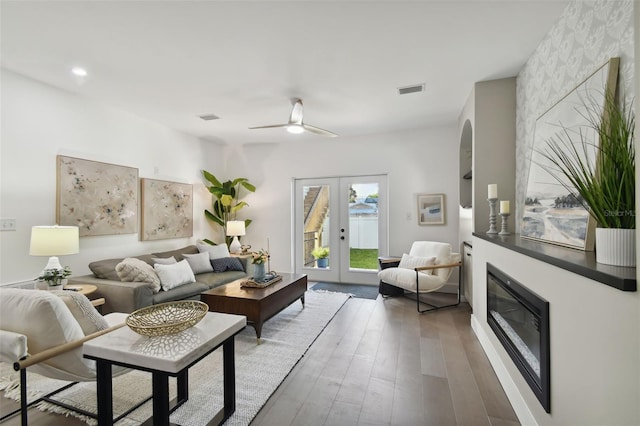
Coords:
pixel 356 290
pixel 260 368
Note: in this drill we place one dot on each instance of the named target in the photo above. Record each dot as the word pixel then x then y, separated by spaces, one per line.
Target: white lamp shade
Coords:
pixel 54 240
pixel 235 228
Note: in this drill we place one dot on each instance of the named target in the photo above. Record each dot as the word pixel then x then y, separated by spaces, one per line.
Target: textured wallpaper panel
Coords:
pixel 586 35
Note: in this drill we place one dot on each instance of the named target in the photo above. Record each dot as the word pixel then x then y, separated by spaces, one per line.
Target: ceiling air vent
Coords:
pixel 209 117
pixel 411 89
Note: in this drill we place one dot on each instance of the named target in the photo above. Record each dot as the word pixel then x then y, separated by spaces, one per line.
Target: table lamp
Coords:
pixel 54 241
pixel 235 228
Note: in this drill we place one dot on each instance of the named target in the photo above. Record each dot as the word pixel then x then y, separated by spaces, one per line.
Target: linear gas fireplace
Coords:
pixel 520 319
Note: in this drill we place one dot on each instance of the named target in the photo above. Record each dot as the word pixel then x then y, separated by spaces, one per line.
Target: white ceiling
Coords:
pixel 171 61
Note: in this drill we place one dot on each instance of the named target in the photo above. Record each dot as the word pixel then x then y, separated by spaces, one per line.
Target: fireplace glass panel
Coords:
pixel 521 326
pixel 520 320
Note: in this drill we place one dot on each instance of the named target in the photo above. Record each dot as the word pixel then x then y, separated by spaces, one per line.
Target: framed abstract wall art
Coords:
pixel 99 198
pixel 553 212
pixel 431 209
pixel 167 209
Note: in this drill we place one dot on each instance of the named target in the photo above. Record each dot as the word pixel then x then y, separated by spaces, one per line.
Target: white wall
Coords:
pixel 594 345
pixel 420 161
pixel 39 122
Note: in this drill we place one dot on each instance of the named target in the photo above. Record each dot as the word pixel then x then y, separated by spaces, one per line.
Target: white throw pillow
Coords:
pixel 83 311
pixel 199 263
pixel 412 262
pixel 174 275
pixel 136 270
pixel 215 252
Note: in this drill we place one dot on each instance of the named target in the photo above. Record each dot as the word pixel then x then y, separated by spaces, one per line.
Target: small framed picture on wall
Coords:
pixel 431 209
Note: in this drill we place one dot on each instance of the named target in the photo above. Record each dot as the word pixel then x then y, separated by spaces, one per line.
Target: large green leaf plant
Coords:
pixel 226 201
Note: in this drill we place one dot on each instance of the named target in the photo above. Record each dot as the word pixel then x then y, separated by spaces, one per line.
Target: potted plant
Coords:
pixel 321 254
pixel 607 185
pixel 226 201
pixel 55 277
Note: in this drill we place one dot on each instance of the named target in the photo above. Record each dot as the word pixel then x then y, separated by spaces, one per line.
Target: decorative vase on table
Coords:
pixel 616 246
pixel 258 272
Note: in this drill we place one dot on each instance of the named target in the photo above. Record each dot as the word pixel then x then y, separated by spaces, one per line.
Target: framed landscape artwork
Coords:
pixel 167 209
pixel 431 209
pixel 99 198
pixel 552 213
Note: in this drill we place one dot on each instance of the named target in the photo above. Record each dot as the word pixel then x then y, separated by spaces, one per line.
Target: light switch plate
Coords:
pixel 7 224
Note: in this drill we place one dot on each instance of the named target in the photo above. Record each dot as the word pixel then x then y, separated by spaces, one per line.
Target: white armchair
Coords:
pixel 44 330
pixel 425 269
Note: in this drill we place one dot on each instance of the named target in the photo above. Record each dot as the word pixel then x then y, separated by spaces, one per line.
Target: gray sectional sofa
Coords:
pixel 121 296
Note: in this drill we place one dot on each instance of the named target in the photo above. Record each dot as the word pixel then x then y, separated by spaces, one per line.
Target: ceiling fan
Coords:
pixel 295 124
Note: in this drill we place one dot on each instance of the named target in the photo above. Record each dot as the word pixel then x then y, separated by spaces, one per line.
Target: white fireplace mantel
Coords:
pixel 594 332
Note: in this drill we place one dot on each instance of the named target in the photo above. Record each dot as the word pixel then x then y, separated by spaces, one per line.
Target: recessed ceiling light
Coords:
pixel 80 72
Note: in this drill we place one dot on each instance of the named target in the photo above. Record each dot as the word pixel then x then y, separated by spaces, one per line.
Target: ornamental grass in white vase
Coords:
pixel 607 185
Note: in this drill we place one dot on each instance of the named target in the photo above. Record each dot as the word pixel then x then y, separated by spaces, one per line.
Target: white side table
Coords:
pixel 127 348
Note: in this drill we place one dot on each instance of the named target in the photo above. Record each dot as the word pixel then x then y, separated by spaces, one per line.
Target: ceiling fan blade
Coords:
pixel 318 130
pixel 296 112
pixel 269 127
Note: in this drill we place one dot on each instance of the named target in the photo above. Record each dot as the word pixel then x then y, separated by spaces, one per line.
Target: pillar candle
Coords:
pixel 504 207
pixel 493 190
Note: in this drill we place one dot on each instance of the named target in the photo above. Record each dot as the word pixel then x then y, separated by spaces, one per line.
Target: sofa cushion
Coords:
pixel 215 252
pixel 199 262
pixel 227 264
pixel 106 269
pixel 186 291
pixel 174 275
pixel 164 260
pixel 213 279
pixel 178 254
pixel 136 270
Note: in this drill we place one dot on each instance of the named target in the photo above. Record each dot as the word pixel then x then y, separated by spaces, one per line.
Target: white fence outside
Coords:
pixel 363 232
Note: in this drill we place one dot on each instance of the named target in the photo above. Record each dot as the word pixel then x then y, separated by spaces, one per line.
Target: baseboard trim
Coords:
pixel 513 394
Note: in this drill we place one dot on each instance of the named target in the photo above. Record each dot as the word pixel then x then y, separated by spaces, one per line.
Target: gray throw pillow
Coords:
pixel 226 264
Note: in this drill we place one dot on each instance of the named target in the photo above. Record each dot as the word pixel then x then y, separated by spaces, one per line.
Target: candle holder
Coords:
pixel 505 225
pixel 492 216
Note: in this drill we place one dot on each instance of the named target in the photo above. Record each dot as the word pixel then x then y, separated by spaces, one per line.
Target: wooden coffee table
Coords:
pixel 257 304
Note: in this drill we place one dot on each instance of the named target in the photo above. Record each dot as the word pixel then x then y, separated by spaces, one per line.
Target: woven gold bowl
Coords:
pixel 167 318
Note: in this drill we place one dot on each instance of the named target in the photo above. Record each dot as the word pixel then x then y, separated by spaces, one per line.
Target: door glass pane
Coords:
pixel 363 226
pixel 316 226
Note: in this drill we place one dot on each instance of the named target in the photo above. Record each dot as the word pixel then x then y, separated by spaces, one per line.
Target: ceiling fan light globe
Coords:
pixel 295 129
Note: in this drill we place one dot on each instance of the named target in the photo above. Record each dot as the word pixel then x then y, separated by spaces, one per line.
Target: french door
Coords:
pixel 346 215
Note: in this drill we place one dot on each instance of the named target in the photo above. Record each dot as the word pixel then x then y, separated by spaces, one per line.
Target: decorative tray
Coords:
pixel 269 279
pixel 167 318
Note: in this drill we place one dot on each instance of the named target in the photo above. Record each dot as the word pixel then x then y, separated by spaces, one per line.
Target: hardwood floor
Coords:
pixel 381 363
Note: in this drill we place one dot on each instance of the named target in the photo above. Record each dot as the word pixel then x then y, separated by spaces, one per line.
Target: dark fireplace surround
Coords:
pixel 520 320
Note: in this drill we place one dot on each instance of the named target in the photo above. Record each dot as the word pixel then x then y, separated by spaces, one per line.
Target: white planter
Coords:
pixel 616 246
